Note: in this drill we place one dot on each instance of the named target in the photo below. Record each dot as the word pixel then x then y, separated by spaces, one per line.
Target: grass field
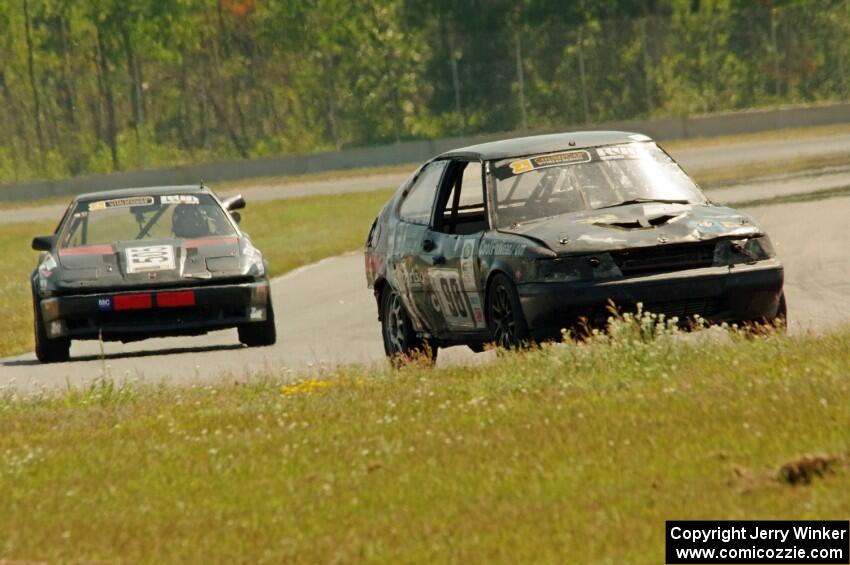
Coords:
pixel 15 302
pixel 736 175
pixel 291 233
pixel 768 135
pixel 232 186
pixel 572 453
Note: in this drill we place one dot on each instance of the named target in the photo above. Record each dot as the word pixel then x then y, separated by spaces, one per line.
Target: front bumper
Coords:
pixel 733 294
pixel 160 312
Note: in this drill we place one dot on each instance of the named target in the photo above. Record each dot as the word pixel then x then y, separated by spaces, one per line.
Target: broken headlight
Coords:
pixel 255 266
pixel 749 250
pixel 560 270
pixel 585 268
pixel 47 266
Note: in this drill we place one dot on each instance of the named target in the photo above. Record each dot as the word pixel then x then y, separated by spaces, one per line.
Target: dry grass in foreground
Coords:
pixel 574 453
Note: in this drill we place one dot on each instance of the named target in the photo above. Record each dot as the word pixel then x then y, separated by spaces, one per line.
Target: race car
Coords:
pixel 513 241
pixel 151 262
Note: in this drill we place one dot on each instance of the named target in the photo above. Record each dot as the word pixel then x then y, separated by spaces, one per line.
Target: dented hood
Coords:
pixel 150 262
pixel 636 225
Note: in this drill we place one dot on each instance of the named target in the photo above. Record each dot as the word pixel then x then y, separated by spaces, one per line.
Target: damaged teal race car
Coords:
pixel 514 241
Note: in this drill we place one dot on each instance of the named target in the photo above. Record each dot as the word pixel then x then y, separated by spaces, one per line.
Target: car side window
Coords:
pixel 416 207
pixel 74 236
pixel 462 210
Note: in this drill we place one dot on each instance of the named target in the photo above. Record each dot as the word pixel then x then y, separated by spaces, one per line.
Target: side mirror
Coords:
pixel 43 242
pixel 237 217
pixel 234 203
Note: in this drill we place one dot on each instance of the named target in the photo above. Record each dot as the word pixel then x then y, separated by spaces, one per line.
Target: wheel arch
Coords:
pixel 378 287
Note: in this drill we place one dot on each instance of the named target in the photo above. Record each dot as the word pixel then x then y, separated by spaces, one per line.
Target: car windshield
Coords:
pixel 145 217
pixel 588 179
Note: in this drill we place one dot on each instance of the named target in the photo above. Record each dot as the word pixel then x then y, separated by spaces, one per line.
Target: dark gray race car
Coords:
pixel 514 240
pixel 131 264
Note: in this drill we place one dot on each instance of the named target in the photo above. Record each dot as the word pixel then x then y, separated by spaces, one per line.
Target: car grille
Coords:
pixel 664 258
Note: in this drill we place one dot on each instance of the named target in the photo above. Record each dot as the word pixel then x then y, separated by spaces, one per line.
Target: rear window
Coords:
pixel 417 205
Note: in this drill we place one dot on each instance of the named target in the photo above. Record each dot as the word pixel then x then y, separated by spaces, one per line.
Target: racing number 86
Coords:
pixel 455 299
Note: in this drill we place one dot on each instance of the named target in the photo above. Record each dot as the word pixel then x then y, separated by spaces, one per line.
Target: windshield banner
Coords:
pixel 121 203
pixel 566 158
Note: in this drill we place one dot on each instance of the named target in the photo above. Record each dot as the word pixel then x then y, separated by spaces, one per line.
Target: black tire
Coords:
pixel 401 344
pixel 505 319
pixel 48 350
pixel 780 321
pixel 782 311
pixel 767 325
pixel 259 334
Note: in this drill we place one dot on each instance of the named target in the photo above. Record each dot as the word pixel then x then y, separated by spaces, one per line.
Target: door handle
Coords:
pixel 428 245
pixel 438 260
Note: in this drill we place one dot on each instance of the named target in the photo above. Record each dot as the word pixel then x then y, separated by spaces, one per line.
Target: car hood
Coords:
pixel 636 225
pixel 150 262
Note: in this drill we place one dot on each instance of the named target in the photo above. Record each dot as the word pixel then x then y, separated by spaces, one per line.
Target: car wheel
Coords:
pixel 48 350
pixel 401 344
pixel 780 321
pixel 782 311
pixel 259 334
pixel 504 314
pixel 766 325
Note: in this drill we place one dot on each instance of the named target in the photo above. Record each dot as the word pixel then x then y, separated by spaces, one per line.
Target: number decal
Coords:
pixel 454 302
pixel 447 297
pixel 150 258
pixel 459 299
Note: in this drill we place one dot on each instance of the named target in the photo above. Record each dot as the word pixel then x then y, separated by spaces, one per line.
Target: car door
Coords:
pixel 406 271
pixel 450 251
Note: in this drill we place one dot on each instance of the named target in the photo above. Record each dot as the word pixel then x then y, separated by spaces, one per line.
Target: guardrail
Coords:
pixel 728 123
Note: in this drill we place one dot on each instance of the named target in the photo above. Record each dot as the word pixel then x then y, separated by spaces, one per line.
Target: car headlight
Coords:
pixel 47 266
pixel 749 250
pixel 559 270
pixel 584 268
pixel 255 266
pixel 259 267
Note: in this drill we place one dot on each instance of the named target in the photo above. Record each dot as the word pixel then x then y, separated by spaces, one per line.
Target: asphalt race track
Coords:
pixel 326 315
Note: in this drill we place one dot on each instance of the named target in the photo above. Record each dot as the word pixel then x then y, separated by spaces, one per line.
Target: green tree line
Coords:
pixel 107 85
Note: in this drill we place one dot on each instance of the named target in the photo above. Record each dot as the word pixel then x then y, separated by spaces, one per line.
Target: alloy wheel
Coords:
pixel 504 321
pixel 395 325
